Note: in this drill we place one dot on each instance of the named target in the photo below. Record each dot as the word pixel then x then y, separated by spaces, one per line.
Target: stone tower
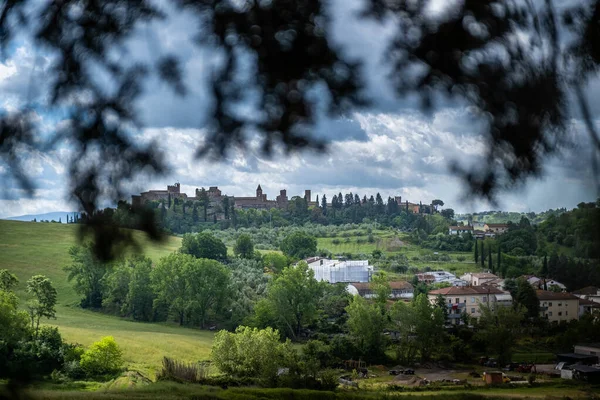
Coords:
pixel 259 193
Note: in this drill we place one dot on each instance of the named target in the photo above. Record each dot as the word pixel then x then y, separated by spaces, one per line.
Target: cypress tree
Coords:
pixel 195 213
pixel 233 214
pixel 544 271
pixel 476 252
pixel 499 263
pixel 482 259
pixel 490 264
pixel 169 204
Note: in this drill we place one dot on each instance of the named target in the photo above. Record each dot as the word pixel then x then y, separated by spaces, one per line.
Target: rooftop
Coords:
pixel 497 225
pixel 586 302
pixel 461 227
pixel 484 275
pixel 396 285
pixel 547 295
pixel 466 290
pixel 587 290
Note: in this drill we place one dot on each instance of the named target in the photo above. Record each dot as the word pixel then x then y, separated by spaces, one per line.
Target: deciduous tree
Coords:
pixel 299 245
pixel 291 301
pixel 203 245
pixel 42 300
pixel 87 272
pixel 7 280
pixel 366 323
pixel 244 247
pixel 499 329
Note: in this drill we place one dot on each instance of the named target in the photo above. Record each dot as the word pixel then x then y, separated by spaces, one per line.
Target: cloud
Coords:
pixel 388 147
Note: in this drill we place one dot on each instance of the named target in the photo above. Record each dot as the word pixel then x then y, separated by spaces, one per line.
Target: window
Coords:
pixel 566 313
pixel 485 299
pixel 559 304
pixel 449 301
pixel 550 313
pixel 550 304
pixel 457 300
pixel 472 311
pixel 559 313
pixel 472 300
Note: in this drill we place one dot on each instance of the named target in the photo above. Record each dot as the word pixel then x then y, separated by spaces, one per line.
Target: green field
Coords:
pixel 28 248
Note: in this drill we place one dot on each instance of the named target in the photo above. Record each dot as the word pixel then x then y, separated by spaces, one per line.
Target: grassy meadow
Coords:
pixel 29 248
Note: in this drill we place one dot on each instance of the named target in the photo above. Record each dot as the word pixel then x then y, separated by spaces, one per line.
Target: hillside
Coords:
pixel 28 248
pixel 50 216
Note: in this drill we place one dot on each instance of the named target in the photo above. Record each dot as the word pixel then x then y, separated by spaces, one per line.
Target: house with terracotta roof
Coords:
pixel 478 278
pixel 498 229
pixel 497 283
pixel 400 289
pixel 538 283
pixel 591 293
pixel 558 306
pixel 468 300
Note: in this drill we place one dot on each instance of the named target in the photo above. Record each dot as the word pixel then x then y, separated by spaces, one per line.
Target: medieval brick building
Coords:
pixel 215 197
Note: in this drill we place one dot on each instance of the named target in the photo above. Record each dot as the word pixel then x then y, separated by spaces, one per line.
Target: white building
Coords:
pixel 334 271
pixel 459 230
pixel 439 277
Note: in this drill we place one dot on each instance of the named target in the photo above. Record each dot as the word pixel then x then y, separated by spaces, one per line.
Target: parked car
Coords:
pixel 511 367
pixel 491 363
pixel 409 372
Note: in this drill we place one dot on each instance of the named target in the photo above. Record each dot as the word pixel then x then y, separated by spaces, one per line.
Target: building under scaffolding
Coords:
pixel 334 271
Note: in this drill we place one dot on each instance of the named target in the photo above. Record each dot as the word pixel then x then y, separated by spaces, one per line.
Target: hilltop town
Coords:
pixel 217 202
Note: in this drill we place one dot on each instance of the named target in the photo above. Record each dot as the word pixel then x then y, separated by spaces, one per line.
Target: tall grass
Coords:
pixel 180 371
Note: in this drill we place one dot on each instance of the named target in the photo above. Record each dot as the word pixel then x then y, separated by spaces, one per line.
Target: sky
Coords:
pixel 389 147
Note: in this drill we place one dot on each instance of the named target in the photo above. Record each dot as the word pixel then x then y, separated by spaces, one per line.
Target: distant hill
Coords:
pixel 44 217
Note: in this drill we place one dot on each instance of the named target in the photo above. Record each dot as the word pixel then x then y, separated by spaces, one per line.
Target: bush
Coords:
pixel 461 258
pixel 329 379
pixel 102 358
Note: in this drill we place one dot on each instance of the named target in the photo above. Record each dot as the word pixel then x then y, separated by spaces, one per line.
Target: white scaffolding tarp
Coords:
pixel 334 271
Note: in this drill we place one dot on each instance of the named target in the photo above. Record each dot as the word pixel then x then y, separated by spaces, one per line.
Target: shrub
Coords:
pixel 251 352
pixel 370 238
pixel 329 379
pixel 445 258
pixel 102 358
pixel 461 258
pixel 335 241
